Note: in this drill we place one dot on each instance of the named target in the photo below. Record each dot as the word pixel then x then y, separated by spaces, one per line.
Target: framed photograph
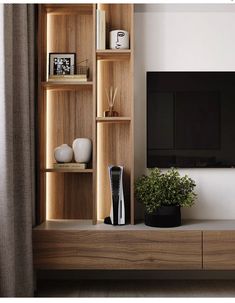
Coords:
pixel 62 64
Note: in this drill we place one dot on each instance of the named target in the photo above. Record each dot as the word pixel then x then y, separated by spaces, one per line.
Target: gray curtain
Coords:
pixel 17 161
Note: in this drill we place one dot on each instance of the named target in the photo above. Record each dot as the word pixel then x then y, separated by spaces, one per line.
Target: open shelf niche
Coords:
pixel 118 16
pixel 69 29
pixel 115 134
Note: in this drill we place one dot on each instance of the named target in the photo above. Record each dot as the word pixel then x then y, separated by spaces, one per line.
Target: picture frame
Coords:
pixel 61 64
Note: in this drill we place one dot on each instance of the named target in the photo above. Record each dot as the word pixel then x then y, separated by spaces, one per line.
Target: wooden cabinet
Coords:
pixel 219 250
pixel 117 249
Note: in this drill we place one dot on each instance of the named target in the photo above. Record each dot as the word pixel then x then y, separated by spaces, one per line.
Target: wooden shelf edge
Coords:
pixel 65 85
pixel 62 9
pixel 66 170
pixel 113 54
pixel 113 51
pixel 187 225
pixel 113 119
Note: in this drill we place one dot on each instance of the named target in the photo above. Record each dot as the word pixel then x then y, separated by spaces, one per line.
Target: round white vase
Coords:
pixel 82 150
pixel 63 153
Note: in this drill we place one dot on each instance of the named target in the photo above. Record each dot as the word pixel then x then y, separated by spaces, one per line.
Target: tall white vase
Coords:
pixel 82 150
pixel 63 153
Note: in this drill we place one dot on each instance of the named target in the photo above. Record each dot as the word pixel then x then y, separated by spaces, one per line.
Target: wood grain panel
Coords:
pixel 116 74
pixel 72 33
pixel 69 196
pixel 118 16
pixel 113 55
pixel 115 140
pixel 66 111
pixel 219 250
pixel 63 9
pixel 69 116
pixel 55 199
pixel 113 149
pixel 117 249
pixel 66 85
pixel 113 119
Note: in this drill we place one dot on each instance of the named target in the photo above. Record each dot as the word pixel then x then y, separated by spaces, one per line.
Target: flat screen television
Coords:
pixel 190 119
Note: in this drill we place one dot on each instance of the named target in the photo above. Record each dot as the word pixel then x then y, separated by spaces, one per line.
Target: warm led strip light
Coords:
pixel 99 131
pixel 48 121
pixel 99 145
pixel 48 151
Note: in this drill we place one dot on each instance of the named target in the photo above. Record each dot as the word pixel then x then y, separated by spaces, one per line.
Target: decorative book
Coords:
pixel 70 165
pixel 70 78
pixel 101 29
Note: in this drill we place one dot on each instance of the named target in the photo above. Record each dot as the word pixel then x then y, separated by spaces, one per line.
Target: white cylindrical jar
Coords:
pixel 63 153
pixel 119 39
pixel 82 150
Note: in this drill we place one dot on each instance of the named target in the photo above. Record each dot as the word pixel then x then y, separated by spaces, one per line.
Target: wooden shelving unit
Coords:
pixel 68 110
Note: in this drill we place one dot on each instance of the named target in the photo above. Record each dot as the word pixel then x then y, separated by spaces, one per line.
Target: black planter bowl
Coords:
pixel 165 216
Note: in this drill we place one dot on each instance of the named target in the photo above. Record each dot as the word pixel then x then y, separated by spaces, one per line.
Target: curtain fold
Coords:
pixel 17 161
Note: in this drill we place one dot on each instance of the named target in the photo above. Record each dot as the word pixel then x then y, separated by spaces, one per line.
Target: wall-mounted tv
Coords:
pixel 190 119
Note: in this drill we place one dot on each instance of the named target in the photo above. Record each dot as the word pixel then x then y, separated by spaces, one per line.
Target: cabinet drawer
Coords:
pixel 117 249
pixel 219 249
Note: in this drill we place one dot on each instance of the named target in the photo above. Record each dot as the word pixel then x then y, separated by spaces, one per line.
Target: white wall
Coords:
pixel 185 37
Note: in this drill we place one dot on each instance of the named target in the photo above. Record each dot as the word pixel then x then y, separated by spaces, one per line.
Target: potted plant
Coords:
pixel 163 194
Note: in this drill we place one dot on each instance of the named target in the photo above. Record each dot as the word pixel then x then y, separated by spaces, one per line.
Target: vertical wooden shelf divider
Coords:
pixel 132 116
pixel 94 119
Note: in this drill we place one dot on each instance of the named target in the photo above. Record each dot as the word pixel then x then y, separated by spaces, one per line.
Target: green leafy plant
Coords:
pixel 164 189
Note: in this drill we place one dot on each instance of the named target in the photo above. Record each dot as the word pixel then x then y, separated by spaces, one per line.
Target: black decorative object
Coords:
pixel 117 212
pixel 164 216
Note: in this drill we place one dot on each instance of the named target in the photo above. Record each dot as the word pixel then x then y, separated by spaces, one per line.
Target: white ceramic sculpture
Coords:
pixel 63 153
pixel 82 150
pixel 119 39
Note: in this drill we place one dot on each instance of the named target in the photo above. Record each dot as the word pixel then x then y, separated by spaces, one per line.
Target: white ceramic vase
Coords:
pixel 63 153
pixel 119 39
pixel 82 150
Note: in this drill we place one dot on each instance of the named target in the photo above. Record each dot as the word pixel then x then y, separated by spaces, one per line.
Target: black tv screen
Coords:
pixel 190 119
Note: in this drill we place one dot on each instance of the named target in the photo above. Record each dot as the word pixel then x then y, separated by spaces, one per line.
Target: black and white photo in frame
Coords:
pixel 61 64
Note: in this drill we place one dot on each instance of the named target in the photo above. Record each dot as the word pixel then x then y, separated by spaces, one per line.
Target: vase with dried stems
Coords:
pixel 111 96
